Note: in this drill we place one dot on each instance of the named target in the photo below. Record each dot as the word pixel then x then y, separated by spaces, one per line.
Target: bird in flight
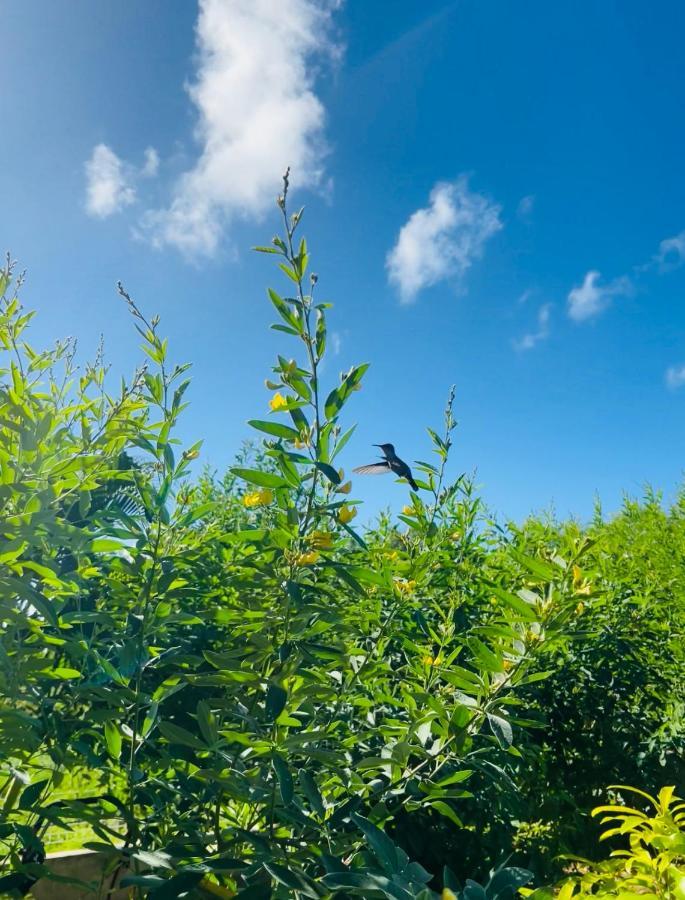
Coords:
pixel 390 463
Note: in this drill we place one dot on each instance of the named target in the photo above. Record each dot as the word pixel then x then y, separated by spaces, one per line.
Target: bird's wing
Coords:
pixel 373 469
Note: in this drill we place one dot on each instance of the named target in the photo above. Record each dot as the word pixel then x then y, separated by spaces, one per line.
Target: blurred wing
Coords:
pixel 373 469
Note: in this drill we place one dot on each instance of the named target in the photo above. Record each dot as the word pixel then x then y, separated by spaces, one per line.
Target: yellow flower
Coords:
pixel 447 894
pixel 346 514
pixel 507 664
pixel 405 586
pixel 301 442
pixel 322 540
pixel 278 401
pixel 580 585
pixel 456 535
pixel 580 609
pixel 431 660
pixel 307 559
pixel 262 497
pixel 408 510
pixel 393 554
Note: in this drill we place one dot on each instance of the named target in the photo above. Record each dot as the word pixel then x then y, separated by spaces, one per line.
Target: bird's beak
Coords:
pixel 376 445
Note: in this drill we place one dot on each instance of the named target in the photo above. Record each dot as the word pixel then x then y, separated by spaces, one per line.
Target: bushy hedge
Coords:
pixel 270 703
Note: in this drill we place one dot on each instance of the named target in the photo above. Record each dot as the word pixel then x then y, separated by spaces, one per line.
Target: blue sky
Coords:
pixel 466 168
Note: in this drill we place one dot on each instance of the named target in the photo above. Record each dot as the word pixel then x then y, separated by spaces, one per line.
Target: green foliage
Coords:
pixel 267 702
pixel 653 864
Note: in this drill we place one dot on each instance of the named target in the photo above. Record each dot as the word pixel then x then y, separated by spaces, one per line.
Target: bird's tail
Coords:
pixel 414 486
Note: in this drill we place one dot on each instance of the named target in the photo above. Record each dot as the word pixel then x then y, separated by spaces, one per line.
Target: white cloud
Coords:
pixel 528 341
pixel 525 207
pixel 671 252
pixel 443 240
pixel 336 342
pixel 151 164
pixel 675 376
pixel 108 183
pixel 258 114
pixel 591 298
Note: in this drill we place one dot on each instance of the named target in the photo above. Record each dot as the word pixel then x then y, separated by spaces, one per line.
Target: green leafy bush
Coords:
pixel 653 864
pixel 267 702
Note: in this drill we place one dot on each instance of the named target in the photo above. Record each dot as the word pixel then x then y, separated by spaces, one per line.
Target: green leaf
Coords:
pixel 446 810
pixel 263 479
pixel 285 779
pixel 383 848
pixel 179 886
pixel 525 610
pixel 113 739
pixel 276 698
pixel 312 792
pixel 501 729
pixel 32 793
pixel 275 428
pixel 539 568
pixel 329 472
pixel 61 673
pixel 176 735
pixel 105 545
pixel 491 662
pixel 290 879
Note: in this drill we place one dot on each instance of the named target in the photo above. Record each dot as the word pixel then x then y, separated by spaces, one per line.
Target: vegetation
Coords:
pixel 254 699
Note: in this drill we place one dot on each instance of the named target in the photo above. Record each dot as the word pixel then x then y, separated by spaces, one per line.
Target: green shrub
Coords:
pixel 268 702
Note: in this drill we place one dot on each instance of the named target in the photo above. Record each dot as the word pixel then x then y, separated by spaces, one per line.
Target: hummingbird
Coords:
pixel 390 463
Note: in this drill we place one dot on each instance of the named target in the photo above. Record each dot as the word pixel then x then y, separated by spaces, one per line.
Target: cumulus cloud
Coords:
pixel 528 341
pixel 442 240
pixel 675 376
pixel 109 185
pixel 671 252
pixel 591 297
pixel 111 181
pixel 257 113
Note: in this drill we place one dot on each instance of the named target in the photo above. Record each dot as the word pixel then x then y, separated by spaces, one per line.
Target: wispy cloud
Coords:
pixel 151 164
pixel 442 241
pixel 257 114
pixel 109 186
pixel 671 253
pixel 528 341
pixel 591 297
pixel 111 181
pixel 675 376
pixel 524 209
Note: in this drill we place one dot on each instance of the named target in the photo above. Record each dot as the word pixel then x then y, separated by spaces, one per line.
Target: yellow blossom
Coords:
pixel 580 609
pixel 507 664
pixel 431 660
pixel 404 585
pixel 580 585
pixel 447 894
pixel 408 510
pixel 301 442
pixel 278 401
pixel 322 540
pixel 262 497
pixel 346 514
pixel 393 554
pixel 456 535
pixel 307 559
